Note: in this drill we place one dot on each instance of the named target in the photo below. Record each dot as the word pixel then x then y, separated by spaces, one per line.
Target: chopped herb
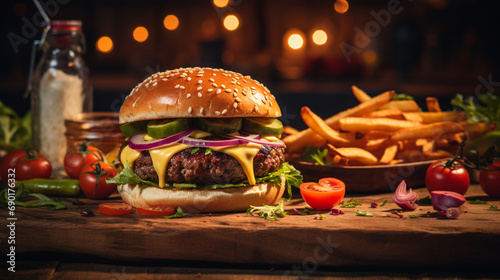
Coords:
pixel 208 151
pixel 194 150
pixel 413 216
pixel 477 201
pixel 366 213
pixel 23 193
pixel 268 212
pixel 305 212
pixel 351 203
pixel 384 202
pixel 424 201
pixel 320 217
pixel 315 154
pixel 493 208
pixel 178 214
pixel 485 109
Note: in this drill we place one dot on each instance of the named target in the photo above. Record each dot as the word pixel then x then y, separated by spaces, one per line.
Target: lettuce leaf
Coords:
pixel 292 177
pixel 15 132
pixel 486 108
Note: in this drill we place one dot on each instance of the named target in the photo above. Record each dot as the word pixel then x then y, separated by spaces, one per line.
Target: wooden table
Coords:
pixel 48 241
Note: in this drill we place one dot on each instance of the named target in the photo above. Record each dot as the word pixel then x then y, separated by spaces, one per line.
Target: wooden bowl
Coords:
pixel 368 179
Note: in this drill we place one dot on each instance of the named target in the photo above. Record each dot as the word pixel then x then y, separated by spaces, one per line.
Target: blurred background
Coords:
pixel 308 53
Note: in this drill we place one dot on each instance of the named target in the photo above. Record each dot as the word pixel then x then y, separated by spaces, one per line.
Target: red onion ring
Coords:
pixel 405 199
pixel 253 139
pixel 138 143
pixel 205 143
pixel 442 200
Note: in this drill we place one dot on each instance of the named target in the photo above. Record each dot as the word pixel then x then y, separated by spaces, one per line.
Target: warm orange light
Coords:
pixel 370 57
pixel 221 3
pixel 341 6
pixel 231 22
pixel 140 34
pixel 171 22
pixel 295 41
pixel 104 44
pixel 319 37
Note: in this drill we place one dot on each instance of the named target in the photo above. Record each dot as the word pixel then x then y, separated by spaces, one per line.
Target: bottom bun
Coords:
pixel 218 200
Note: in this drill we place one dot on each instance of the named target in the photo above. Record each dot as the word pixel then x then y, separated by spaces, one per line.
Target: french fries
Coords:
pixel 384 132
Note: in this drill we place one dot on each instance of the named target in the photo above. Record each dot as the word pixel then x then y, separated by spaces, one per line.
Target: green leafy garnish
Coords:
pixel 292 178
pixel 366 213
pixel 194 150
pixel 314 154
pixel 413 216
pixel 15 132
pixel 402 96
pixel 493 208
pixel 127 176
pixel 320 217
pixel 351 203
pixel 22 193
pixel 485 109
pixel 477 201
pixel 384 202
pixel 268 212
pixel 424 201
pixel 178 214
pixel 208 151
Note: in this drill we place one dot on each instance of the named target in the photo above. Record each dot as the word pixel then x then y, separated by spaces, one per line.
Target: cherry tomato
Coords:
pixel 157 211
pixel 114 209
pixel 447 176
pixel 323 195
pixel 9 162
pixel 93 180
pixel 81 156
pixel 490 180
pixel 33 166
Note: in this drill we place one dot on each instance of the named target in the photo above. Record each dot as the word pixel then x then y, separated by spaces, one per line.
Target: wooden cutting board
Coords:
pixel 300 241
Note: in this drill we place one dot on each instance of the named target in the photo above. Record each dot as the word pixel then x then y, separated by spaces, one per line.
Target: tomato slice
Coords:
pixel 324 195
pixel 114 209
pixel 157 211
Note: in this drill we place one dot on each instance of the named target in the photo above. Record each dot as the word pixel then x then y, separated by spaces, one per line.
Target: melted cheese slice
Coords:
pixel 243 153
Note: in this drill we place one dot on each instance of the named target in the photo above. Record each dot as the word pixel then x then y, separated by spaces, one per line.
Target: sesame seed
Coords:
pixel 199 75
pixel 199 88
pixel 222 86
pixel 214 74
pixel 182 87
pixel 188 78
pixel 190 110
pixel 164 79
pixel 190 71
pixel 155 84
pixel 177 86
pixel 228 90
pixel 201 110
pixel 235 90
pixel 188 95
pixel 210 90
pixel 233 82
pixel 252 87
pixel 276 114
pixel 235 105
pixel 212 80
pixel 214 85
pixel 224 111
pixel 256 108
pixel 218 91
pixel 244 80
pixel 200 81
pixel 248 77
pixel 237 100
pixel 217 113
pixel 235 94
pixel 199 94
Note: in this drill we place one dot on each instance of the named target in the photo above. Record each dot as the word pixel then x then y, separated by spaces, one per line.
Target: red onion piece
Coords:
pixel 138 143
pixel 205 143
pixel 452 213
pixel 252 139
pixel 442 200
pixel 405 199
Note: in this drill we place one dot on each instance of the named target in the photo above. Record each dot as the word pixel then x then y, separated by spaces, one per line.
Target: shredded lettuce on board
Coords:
pixel 486 108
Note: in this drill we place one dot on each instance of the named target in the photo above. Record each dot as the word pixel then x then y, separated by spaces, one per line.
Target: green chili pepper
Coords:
pixel 52 187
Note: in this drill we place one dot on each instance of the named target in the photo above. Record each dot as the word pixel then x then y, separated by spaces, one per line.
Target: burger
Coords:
pixel 203 139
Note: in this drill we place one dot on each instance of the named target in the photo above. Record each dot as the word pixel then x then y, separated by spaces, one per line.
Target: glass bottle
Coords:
pixel 61 88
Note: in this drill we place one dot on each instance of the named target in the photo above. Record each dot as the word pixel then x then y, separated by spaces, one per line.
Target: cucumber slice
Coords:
pixel 219 126
pixel 130 129
pixel 167 127
pixel 263 126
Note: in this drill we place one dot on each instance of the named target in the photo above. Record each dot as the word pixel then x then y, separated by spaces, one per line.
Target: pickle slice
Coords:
pixel 130 129
pixel 219 126
pixel 263 126
pixel 167 127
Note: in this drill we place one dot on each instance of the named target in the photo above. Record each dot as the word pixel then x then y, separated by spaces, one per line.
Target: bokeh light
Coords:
pixel 341 6
pixel 140 34
pixel 171 22
pixel 319 37
pixel 231 22
pixel 104 44
pixel 295 41
pixel 221 3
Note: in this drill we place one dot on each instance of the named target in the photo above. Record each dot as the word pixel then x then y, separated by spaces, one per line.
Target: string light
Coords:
pixel 104 44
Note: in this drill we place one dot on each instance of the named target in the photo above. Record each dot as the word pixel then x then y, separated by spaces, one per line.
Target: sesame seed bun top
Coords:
pixel 198 93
